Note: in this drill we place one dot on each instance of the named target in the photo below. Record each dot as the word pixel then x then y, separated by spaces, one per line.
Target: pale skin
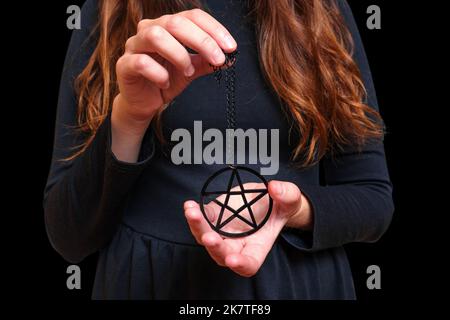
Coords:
pixel 155 68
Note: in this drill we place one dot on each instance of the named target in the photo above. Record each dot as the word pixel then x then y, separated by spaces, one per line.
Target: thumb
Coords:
pixel 286 195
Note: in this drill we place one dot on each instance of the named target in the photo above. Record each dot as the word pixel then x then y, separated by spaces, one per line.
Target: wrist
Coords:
pixel 125 123
pixel 127 133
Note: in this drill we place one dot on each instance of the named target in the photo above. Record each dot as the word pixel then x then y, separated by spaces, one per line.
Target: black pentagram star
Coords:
pixel 219 225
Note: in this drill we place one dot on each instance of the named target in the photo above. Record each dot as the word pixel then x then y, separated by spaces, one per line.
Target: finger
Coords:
pixel 191 35
pixel 131 67
pixel 155 38
pixel 194 206
pixel 190 204
pixel 217 248
pixel 243 265
pixel 201 66
pixel 286 194
pixel 196 221
pixel 213 27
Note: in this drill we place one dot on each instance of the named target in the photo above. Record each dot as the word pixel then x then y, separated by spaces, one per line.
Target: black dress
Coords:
pixel 133 213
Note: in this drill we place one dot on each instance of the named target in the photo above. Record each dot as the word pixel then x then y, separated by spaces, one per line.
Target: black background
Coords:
pixel 38 39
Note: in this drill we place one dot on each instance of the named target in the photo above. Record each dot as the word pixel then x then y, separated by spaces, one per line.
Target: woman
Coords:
pixel 113 188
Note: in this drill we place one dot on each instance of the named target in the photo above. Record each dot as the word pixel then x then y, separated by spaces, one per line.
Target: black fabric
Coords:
pixel 133 213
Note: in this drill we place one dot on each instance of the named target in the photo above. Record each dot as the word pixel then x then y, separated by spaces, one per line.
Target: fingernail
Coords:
pixel 189 71
pixel 189 204
pixel 230 43
pixel 218 56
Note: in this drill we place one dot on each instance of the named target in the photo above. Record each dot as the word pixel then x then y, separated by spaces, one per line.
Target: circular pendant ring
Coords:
pixel 221 222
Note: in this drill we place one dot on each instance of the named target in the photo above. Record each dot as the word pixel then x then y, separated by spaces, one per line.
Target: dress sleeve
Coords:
pixel 84 197
pixel 355 204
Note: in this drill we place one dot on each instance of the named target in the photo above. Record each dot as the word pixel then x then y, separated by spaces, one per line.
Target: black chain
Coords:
pixel 230 82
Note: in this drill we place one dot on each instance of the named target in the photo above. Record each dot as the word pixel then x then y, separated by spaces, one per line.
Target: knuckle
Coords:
pixel 164 17
pixel 175 22
pixel 140 62
pixel 218 30
pixel 196 12
pixel 153 33
pixel 129 44
pixel 207 42
pixel 142 24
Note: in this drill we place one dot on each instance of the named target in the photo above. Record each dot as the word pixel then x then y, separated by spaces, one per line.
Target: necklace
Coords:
pixel 248 222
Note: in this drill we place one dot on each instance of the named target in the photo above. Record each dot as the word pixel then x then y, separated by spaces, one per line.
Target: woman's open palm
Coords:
pixel 244 255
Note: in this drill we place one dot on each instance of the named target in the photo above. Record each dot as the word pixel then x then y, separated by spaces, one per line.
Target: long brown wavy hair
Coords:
pixel 305 54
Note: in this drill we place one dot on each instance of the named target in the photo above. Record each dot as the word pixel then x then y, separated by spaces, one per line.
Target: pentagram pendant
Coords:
pixel 248 222
pixel 241 212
